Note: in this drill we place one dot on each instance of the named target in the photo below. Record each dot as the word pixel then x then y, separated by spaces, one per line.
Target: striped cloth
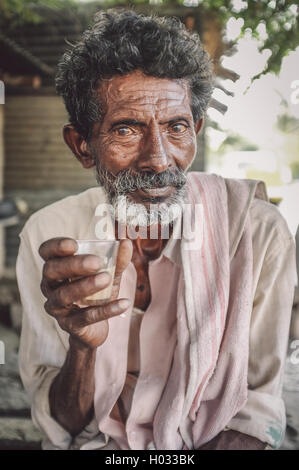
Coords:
pixel 214 309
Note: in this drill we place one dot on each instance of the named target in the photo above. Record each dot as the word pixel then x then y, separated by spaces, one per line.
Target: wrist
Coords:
pixel 77 345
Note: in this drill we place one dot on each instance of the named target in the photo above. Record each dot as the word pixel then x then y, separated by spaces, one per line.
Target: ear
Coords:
pixel 198 125
pixel 78 146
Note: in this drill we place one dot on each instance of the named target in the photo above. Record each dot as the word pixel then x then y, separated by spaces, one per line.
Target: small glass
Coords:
pixel 106 250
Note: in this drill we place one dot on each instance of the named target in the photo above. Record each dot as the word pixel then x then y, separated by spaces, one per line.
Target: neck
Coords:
pixel 149 247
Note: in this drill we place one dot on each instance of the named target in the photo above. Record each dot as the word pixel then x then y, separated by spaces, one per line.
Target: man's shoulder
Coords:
pixel 266 214
pixel 272 240
pixel 59 218
pixel 246 197
pixel 83 199
pixel 237 191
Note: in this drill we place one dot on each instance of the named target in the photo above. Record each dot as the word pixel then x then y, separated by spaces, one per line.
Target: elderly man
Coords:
pixel 189 351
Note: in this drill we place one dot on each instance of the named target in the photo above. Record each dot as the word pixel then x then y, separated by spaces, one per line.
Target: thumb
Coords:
pixel 124 257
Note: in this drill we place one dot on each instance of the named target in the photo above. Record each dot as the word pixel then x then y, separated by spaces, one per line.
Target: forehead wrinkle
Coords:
pixel 125 111
pixel 145 98
pixel 154 107
pixel 118 95
pixel 151 84
pixel 148 85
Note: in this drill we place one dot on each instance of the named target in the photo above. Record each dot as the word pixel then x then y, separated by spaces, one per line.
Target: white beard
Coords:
pixel 132 214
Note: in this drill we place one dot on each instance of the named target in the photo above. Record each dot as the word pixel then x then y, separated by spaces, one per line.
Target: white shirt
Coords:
pixel 44 345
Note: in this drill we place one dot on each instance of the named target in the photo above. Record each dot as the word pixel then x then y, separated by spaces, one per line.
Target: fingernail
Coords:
pixel 67 245
pixel 124 304
pixel 123 315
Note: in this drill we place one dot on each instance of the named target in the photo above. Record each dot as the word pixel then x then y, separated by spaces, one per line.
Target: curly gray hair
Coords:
pixel 121 41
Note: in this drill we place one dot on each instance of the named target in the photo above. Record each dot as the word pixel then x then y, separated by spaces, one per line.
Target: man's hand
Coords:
pixel 87 326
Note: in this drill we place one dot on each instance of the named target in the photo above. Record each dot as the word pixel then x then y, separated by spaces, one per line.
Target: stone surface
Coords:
pixel 18 433
pixel 13 398
pixel 294 329
pixel 11 343
pixel 16 428
pixel 291 396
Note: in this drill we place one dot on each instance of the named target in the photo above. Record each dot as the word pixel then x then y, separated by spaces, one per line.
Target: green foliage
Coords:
pixel 281 21
pixel 279 17
pixel 288 124
pixel 14 13
pixel 236 142
pixel 288 127
pixel 295 169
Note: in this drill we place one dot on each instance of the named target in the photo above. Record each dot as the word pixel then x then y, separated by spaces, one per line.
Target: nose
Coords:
pixel 153 155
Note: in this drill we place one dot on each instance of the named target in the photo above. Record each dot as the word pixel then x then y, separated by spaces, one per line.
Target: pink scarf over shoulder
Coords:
pixel 207 385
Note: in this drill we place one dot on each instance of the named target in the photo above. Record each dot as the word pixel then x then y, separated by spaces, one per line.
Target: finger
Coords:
pixel 48 287
pixel 91 315
pixel 56 312
pixel 125 253
pixel 124 256
pixel 77 290
pixel 45 288
pixel 57 269
pixel 57 247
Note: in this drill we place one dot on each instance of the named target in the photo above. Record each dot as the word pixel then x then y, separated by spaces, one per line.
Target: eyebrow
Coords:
pixel 178 118
pixel 135 122
pixel 127 122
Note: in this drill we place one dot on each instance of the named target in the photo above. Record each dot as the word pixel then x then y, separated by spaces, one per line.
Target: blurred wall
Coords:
pixel 39 167
pixel 36 156
pixel 1 185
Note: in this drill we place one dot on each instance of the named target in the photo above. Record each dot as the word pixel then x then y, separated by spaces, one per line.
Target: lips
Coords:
pixel 156 192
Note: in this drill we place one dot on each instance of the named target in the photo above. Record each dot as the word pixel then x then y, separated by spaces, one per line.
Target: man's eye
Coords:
pixel 123 131
pixel 178 128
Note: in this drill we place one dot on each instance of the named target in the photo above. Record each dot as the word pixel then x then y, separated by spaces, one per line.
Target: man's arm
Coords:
pixel 49 357
pixel 71 394
pixel 72 391
pixel 263 416
pixel 260 423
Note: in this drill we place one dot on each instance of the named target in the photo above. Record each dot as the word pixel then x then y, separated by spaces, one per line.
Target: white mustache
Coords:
pixel 127 181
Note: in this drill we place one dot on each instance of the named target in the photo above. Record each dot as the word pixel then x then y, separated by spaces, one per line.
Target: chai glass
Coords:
pixel 106 250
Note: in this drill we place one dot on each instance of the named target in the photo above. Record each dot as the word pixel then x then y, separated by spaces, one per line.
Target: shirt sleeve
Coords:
pixel 263 415
pixel 42 352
